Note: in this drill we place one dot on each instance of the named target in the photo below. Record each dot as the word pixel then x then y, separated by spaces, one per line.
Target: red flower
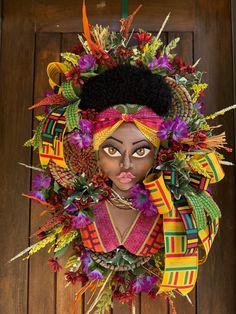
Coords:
pixel 55 266
pixel 142 38
pixel 74 277
pixel 74 75
pixel 78 49
pixel 127 296
pixel 181 66
pixel 66 222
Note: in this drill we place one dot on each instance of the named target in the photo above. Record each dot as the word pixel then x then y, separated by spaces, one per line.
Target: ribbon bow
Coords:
pixel 111 116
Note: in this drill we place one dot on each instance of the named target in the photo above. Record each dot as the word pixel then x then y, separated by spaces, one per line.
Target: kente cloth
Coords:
pixel 181 233
pixel 146 120
pixel 144 238
pixel 181 267
pixel 53 131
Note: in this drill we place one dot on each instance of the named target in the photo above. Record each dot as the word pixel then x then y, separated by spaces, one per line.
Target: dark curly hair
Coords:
pixel 126 84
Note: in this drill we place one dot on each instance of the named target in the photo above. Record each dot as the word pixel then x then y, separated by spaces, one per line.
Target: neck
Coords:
pixel 125 194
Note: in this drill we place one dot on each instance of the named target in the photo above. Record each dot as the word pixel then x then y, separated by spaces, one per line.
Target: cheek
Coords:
pixel 142 166
pixel 107 165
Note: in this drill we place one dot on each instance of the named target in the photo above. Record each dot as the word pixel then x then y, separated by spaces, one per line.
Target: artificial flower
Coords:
pixel 37 195
pixel 55 266
pixel 141 200
pixel 142 38
pixel 41 181
pixel 86 260
pixel 181 66
pixel 175 129
pixel 67 223
pixel 80 220
pixel 72 208
pixel 95 275
pixel 143 284
pixel 199 105
pixel 74 75
pixel 85 126
pixel 160 63
pixel 74 277
pixel 86 62
pixel 81 141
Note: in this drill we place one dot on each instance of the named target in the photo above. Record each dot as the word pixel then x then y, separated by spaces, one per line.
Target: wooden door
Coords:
pixel 33 34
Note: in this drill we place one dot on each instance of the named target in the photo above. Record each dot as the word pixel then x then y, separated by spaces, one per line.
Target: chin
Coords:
pixel 125 187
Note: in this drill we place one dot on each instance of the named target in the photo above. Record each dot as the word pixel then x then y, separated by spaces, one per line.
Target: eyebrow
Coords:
pixel 139 142
pixel 113 138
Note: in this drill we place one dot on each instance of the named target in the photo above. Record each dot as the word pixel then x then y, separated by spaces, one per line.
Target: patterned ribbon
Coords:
pixel 147 121
pixel 180 229
pixel 211 164
pixel 53 131
pixel 53 70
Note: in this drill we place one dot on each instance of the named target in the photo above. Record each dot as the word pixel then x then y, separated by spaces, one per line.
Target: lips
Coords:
pixel 125 177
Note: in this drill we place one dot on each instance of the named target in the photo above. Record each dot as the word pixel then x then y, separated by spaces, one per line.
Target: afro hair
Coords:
pixel 126 84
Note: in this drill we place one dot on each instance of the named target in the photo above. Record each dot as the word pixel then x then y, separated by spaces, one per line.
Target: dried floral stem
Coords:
pixel 162 27
pixel 220 112
pixel 99 293
pixel 31 167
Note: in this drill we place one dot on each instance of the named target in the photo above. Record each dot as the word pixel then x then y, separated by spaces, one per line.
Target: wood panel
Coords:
pixel 205 30
pixel 16 93
pixel 47 50
pixel 216 283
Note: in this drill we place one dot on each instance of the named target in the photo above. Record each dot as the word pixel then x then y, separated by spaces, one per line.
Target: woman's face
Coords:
pixel 126 157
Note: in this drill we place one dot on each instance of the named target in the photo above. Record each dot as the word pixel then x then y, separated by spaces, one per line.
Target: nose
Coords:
pixel 126 163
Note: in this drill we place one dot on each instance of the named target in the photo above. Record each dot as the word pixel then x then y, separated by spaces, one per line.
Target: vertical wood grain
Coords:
pixel 17 55
pixel 217 280
pixel 41 296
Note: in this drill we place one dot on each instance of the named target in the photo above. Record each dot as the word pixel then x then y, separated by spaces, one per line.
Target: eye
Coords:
pixel 112 151
pixel 141 152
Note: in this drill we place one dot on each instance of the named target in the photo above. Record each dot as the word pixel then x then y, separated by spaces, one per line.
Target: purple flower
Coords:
pixel 80 220
pixel 200 106
pixel 95 275
pixel 176 129
pixel 72 208
pixel 76 139
pixel 86 126
pixel 86 62
pixel 86 140
pixel 161 63
pixel 38 195
pixel 86 261
pixel 41 180
pixel 141 200
pixel 82 138
pixel 143 284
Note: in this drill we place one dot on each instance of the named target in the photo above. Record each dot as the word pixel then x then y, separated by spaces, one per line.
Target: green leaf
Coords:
pixel 72 116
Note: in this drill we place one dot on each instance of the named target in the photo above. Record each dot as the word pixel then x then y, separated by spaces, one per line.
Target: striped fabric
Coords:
pixel 180 267
pixel 211 164
pixel 52 138
pixel 199 182
pixel 191 230
pixel 207 237
pixel 159 193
